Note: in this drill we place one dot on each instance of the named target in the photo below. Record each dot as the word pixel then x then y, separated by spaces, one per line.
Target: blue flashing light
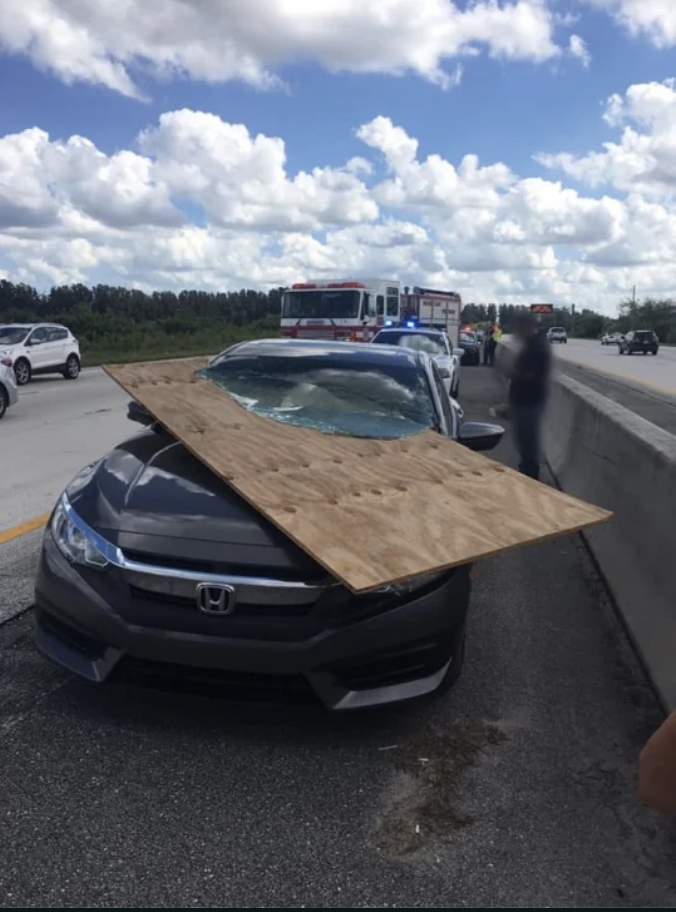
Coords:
pixel 389 323
pixel 410 325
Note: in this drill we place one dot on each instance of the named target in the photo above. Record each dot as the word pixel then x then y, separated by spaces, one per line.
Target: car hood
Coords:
pixel 153 499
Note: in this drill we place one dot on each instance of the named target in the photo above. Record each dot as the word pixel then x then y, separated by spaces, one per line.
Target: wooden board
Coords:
pixel 372 512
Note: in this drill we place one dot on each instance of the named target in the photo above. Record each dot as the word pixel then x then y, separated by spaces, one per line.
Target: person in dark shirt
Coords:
pixel 489 346
pixel 528 392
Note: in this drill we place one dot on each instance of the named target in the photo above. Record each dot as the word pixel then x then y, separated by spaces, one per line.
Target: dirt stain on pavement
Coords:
pixel 425 802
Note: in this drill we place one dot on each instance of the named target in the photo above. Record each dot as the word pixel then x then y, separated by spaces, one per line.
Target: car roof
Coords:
pixel 30 325
pixel 360 352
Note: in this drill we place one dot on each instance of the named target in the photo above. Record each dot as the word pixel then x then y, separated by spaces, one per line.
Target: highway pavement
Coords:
pixel 518 789
pixel 657 373
pixel 56 428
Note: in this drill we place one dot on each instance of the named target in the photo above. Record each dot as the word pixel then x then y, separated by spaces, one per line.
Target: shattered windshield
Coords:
pixel 330 394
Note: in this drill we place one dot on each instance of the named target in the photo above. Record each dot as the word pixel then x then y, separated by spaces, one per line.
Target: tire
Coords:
pixel 4 402
pixel 72 369
pixel 22 372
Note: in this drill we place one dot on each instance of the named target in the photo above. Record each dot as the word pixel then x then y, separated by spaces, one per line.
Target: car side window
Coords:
pixel 38 335
pixel 57 335
pixel 444 399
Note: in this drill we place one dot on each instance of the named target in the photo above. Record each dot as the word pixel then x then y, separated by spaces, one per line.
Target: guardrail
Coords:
pixel 601 452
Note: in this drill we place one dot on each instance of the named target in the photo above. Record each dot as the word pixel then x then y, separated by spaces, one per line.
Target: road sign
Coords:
pixel 542 308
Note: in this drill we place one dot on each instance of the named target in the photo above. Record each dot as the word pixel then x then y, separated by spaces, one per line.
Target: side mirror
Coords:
pixel 477 436
pixel 458 352
pixel 137 413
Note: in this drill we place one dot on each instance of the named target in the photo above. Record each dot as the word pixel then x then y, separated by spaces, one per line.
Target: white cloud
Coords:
pixel 200 202
pixel 644 160
pixel 110 44
pixel 577 47
pixel 654 18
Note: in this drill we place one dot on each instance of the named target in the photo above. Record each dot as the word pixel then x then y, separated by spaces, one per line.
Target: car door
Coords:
pixel 37 348
pixel 57 343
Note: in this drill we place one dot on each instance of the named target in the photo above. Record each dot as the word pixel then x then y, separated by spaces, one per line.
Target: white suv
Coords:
pixel 39 348
pixel 557 334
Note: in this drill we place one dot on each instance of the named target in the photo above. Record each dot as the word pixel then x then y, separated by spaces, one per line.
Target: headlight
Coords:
pixel 72 541
pixel 412 585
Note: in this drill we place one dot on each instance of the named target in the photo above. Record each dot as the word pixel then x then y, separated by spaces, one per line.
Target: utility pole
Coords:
pixel 572 319
pixel 633 297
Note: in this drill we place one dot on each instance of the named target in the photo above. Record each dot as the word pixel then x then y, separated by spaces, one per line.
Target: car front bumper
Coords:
pixel 11 389
pixel 395 654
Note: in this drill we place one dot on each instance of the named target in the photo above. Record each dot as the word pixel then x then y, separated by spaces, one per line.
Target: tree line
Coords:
pixel 651 313
pixel 111 319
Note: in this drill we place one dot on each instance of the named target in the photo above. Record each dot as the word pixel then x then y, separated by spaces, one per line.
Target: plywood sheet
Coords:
pixel 372 512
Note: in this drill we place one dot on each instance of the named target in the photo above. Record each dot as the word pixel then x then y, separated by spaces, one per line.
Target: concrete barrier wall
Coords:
pixel 603 453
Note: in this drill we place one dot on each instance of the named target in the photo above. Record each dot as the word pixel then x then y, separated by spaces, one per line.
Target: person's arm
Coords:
pixel 657 769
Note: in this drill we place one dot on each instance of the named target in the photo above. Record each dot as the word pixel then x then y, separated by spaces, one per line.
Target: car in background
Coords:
pixel 558 334
pixel 470 346
pixel 613 338
pixel 9 394
pixel 154 568
pixel 433 341
pixel 40 348
pixel 480 334
pixel 639 341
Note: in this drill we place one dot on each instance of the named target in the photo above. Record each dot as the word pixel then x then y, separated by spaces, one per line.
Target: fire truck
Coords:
pixel 346 310
pixel 438 309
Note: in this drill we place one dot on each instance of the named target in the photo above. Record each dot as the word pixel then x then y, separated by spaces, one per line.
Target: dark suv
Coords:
pixel 639 340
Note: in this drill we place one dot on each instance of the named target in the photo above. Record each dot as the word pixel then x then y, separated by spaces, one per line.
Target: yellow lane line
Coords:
pixel 23 529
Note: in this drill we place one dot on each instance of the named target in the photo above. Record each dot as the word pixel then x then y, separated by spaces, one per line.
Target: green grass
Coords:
pixel 153 346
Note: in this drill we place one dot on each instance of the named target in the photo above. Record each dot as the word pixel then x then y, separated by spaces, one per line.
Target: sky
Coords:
pixel 513 151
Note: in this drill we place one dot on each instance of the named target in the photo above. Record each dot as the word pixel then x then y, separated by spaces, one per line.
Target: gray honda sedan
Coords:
pixel 153 569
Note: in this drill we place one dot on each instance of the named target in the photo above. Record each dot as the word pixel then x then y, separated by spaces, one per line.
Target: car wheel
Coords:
pixel 72 371
pixel 4 402
pixel 22 372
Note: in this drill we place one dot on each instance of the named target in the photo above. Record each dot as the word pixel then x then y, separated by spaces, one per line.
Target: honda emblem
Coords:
pixel 215 599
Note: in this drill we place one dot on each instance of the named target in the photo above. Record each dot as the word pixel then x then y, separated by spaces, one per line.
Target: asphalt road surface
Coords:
pixel 516 790
pixel 56 428
pixel 657 373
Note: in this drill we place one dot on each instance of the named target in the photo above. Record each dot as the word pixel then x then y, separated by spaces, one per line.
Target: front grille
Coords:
pixel 243 609
pixel 409 662
pixel 322 334
pixel 238 686
pixel 205 566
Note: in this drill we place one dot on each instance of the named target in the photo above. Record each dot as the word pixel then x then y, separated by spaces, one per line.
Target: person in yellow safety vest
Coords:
pixel 493 336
